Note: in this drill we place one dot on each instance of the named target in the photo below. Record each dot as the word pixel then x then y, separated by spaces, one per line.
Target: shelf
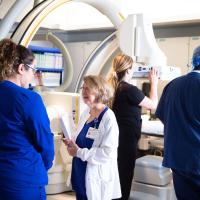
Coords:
pixel 51 70
pixel 49 57
pixel 37 49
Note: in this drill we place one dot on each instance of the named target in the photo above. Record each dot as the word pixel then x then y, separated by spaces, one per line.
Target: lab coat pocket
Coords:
pixel 93 171
pixel 105 172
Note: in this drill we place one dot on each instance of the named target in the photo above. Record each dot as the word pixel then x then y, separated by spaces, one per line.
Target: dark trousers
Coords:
pixel 80 197
pixel 26 193
pixel 186 185
pixel 126 164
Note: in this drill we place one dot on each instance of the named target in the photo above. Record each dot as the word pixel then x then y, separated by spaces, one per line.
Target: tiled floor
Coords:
pixel 62 196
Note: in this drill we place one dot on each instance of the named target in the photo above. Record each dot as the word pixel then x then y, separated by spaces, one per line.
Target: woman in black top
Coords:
pixel 127 103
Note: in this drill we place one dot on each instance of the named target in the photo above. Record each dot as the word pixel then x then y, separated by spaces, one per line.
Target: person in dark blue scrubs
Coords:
pixel 26 141
pixel 94 166
pixel 179 110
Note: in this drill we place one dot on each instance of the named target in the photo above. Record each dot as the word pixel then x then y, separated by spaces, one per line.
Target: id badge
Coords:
pixel 92 133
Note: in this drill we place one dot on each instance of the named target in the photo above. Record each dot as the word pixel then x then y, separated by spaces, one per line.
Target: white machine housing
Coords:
pixel 164 72
pixel 136 39
pixel 155 173
pixel 59 104
pixel 152 181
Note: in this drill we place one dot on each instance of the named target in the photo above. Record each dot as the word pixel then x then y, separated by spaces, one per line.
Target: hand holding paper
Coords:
pixel 66 125
pixel 72 147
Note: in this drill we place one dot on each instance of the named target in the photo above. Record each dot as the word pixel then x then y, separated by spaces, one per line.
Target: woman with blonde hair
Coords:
pixel 94 167
pixel 126 104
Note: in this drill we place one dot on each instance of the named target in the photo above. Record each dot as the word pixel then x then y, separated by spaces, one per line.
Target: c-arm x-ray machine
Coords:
pixel 134 36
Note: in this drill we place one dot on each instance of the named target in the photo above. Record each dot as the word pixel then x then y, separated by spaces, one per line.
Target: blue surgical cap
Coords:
pixel 196 58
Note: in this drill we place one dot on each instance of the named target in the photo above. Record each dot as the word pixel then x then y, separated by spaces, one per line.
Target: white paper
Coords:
pixel 66 125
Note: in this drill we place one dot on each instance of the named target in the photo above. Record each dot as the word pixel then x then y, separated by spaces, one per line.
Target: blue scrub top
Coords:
pixel 79 166
pixel 26 141
pixel 179 110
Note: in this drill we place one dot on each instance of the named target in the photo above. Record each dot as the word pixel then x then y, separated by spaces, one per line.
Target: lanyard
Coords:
pixel 98 120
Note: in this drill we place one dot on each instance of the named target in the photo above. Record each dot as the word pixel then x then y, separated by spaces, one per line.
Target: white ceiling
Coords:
pixel 164 10
pixel 82 16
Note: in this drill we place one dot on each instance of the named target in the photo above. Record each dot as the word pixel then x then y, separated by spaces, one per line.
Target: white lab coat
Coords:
pixel 102 178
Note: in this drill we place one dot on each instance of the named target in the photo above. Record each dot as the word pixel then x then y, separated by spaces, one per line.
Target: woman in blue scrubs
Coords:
pixel 26 141
pixel 94 167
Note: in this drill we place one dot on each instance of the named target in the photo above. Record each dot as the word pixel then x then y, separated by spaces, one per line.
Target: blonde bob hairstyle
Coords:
pixel 99 87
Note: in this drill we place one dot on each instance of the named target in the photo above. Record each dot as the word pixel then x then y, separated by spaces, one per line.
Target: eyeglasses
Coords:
pixel 84 88
pixel 87 89
pixel 29 66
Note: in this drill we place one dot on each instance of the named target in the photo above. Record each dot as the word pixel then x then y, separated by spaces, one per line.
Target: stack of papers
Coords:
pixel 66 124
